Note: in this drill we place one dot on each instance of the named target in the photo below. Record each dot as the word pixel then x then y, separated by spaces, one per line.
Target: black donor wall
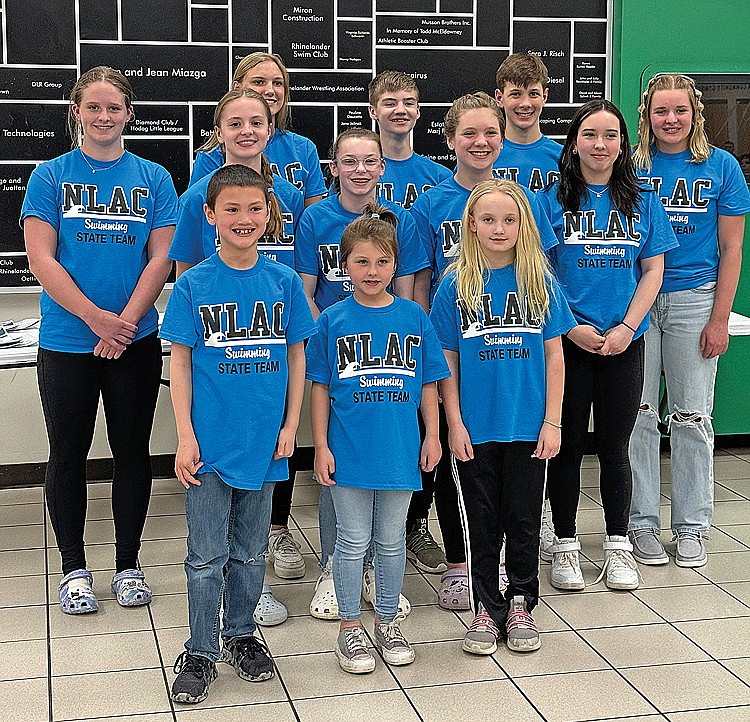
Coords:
pixel 179 55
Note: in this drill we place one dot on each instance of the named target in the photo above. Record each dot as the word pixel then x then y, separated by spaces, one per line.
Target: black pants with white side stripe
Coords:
pixel 501 493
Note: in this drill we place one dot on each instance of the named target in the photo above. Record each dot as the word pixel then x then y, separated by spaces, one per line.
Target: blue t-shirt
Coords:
pixel 438 214
pixel 532 165
pixel 598 258
pixel 103 221
pixel 375 362
pixel 196 239
pixel 694 196
pixel 238 324
pixel 316 251
pixel 292 156
pixel 502 385
pixel 405 180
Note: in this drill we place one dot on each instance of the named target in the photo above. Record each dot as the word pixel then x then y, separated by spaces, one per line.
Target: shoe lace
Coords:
pixel 519 618
pixel 567 559
pixel 250 647
pixel 483 622
pixel 191 664
pixel 355 639
pixel 391 632
pixel 619 559
pixel 284 543
pixel 421 539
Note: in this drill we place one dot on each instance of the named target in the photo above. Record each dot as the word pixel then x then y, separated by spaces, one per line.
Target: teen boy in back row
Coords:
pixel 394 104
pixel 527 157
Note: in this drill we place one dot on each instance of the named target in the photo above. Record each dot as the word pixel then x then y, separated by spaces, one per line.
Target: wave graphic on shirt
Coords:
pixel 453 251
pixel 337 274
pixel 686 209
pixel 577 238
pixel 478 329
pixel 219 340
pixel 80 212
pixel 353 369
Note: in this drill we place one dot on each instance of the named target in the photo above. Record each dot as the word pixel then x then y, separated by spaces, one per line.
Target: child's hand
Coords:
pixel 587 337
pixel 548 444
pixel 431 453
pixel 285 443
pixel 187 462
pixel 616 340
pixel 459 442
pixel 324 466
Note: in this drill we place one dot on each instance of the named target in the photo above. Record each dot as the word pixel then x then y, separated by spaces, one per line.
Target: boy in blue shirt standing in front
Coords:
pixel 527 157
pixel 237 322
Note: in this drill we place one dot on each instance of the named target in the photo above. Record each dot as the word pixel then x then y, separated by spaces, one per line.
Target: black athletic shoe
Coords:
pixel 194 675
pixel 249 657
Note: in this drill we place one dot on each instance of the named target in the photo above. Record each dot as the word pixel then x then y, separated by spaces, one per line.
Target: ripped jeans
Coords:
pixel 226 561
pixel 672 344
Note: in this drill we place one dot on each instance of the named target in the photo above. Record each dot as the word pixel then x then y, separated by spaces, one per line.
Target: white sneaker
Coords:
pixel 368 594
pixel 285 554
pixel 620 570
pixel 566 570
pixel 324 604
pixel 546 534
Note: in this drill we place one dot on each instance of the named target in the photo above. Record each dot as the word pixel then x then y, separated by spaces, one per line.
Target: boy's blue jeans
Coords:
pixel 226 561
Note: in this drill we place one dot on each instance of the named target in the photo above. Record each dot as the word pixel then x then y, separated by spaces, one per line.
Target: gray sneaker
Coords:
pixel 390 640
pixel 647 546
pixel 352 652
pixel 423 550
pixel 691 551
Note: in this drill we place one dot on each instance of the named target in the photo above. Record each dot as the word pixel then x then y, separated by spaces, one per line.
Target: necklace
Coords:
pixel 104 167
pixel 600 193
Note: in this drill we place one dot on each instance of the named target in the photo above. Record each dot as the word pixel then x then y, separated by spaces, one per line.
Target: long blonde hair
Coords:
pixel 533 272
pixel 698 144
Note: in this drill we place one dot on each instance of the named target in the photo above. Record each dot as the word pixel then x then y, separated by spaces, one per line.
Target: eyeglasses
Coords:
pixel 354 163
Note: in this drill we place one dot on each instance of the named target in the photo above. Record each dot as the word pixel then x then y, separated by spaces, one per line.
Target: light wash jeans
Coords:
pixel 672 344
pixel 327 529
pixel 227 546
pixel 362 516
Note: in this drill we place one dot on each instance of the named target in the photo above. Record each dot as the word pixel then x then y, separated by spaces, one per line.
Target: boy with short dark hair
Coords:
pixel 527 157
pixel 237 322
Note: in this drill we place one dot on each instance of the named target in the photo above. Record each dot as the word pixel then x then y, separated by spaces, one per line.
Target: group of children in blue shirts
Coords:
pixel 531 263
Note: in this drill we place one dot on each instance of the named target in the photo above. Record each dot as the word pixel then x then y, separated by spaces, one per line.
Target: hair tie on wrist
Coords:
pixel 552 423
pixel 627 325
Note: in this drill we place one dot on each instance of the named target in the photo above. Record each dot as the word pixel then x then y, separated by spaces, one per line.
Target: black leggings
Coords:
pixel 440 483
pixel 613 384
pixel 282 496
pixel 501 492
pixel 70 385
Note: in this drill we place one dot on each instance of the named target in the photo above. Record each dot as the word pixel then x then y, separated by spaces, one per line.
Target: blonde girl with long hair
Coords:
pixel 499 315
pixel 706 197
pixel 292 156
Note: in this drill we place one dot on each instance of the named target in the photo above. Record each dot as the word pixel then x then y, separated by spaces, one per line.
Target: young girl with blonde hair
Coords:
pixel 499 315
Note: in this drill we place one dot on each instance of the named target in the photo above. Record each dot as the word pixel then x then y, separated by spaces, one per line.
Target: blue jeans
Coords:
pixel 364 516
pixel 672 344
pixel 327 529
pixel 227 546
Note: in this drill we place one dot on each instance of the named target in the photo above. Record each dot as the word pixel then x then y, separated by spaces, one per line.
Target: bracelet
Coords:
pixel 552 423
pixel 628 326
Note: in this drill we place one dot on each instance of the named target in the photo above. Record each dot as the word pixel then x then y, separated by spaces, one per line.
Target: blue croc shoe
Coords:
pixel 130 588
pixel 76 593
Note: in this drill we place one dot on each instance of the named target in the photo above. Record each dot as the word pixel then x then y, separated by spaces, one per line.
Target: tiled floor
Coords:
pixel 678 648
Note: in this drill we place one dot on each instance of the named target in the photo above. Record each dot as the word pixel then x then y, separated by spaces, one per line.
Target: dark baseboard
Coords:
pixel 15 475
